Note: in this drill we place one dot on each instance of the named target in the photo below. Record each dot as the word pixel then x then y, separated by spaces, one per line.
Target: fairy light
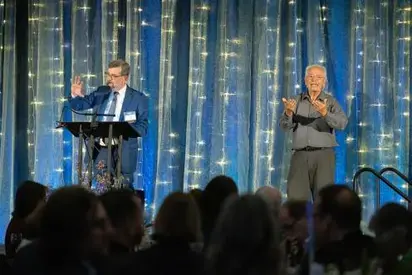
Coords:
pixel 195 153
pixel 225 60
pixel 401 139
pixel 45 87
pixel 134 29
pixel 388 148
pixel 32 81
pixel 81 65
pixel 167 139
pixel 110 29
pixel 266 141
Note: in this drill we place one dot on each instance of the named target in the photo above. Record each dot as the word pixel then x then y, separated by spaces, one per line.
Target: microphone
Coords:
pixel 60 123
pixel 93 114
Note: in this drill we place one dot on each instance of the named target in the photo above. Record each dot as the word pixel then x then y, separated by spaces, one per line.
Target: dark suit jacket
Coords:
pixel 134 101
pixel 347 255
pixel 32 260
pixel 167 256
pixel 14 235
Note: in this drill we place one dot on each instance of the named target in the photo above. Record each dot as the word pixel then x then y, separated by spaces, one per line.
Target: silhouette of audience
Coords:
pixel 206 232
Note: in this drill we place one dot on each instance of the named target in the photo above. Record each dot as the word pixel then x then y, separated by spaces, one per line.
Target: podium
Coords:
pixel 106 130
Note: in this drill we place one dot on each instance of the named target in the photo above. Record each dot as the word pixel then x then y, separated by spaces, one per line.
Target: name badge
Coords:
pixel 130 116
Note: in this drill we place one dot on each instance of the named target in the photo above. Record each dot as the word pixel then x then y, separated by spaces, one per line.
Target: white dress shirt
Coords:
pixel 119 104
pixel 118 110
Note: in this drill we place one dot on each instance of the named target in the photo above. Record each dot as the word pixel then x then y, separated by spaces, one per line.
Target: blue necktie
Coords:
pixel 112 109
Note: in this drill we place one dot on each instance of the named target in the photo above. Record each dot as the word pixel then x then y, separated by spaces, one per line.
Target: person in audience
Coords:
pixel 5 268
pixel 196 195
pixel 176 227
pixel 340 245
pixel 28 204
pixel 213 197
pixel 392 225
pixel 272 196
pixel 73 233
pixel 246 239
pixel 125 213
pixel 294 224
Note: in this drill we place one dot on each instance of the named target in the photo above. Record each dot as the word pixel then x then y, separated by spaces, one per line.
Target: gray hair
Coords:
pixel 308 68
pixel 272 196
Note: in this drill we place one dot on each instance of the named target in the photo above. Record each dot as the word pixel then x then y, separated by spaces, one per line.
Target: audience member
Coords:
pixel 28 204
pixel 76 232
pixel 392 225
pixel 293 219
pixel 196 195
pixel 272 196
pixel 176 226
pixel 213 197
pixel 246 239
pixel 73 232
pixel 340 245
pixel 125 213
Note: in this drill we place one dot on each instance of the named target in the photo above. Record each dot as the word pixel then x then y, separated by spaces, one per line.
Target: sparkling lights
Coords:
pixel 83 65
pixel 46 89
pixel 379 141
pixel 195 151
pixel 377 100
pixel 167 154
pixel 110 28
pixel 134 29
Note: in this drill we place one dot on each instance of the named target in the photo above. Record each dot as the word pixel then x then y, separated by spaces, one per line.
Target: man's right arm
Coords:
pixel 286 122
pixel 80 103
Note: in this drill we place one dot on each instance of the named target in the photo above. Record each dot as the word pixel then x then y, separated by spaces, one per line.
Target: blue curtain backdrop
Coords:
pixel 215 73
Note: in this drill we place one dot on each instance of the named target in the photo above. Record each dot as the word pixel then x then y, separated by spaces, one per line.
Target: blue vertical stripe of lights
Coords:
pixel 67 116
pixel 151 33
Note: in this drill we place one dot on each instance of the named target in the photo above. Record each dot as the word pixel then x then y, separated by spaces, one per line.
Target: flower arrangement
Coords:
pixel 103 180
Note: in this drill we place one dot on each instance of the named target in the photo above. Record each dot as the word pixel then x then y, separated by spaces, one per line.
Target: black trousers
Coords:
pixel 310 171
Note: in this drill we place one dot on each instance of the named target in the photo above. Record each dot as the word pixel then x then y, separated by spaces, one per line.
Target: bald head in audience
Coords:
pixel 272 196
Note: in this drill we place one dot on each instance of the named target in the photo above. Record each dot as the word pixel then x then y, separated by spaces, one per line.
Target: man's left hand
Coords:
pixel 321 107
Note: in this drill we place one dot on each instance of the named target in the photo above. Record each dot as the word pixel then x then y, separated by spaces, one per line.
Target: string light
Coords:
pixel 110 29
pixel 368 97
pixel 195 154
pixel 82 65
pixel 231 53
pixel 45 87
pixel 167 138
pixel 401 139
pixel 134 30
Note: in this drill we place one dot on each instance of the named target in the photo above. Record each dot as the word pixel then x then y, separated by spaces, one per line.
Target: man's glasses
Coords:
pixel 111 76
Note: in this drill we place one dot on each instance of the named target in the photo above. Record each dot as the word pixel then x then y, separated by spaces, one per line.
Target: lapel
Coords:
pixel 103 102
pixel 126 102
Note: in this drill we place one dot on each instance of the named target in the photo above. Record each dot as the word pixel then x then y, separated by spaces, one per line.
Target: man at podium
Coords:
pixel 126 104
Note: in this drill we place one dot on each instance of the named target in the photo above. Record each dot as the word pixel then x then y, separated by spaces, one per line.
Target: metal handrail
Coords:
pixel 377 186
pixel 397 172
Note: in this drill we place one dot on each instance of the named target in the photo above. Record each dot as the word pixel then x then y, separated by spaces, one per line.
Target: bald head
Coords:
pixel 342 204
pixel 271 195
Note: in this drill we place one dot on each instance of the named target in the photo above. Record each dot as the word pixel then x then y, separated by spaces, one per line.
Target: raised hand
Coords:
pixel 290 106
pixel 77 87
pixel 321 107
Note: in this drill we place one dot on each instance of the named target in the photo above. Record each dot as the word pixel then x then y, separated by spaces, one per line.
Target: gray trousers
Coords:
pixel 310 171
